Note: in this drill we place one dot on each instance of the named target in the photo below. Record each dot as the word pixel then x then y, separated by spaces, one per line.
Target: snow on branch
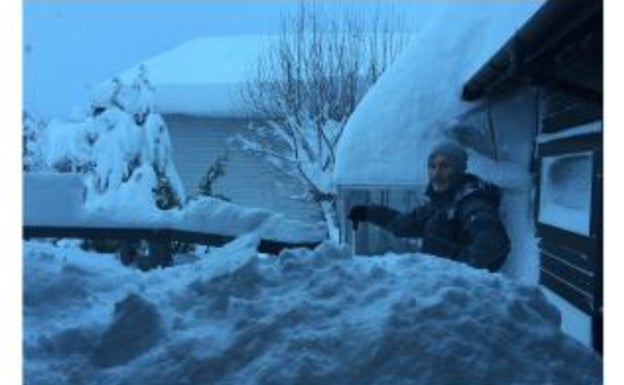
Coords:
pixel 121 144
pixel 308 82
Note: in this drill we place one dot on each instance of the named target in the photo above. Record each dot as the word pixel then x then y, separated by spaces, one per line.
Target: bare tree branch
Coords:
pixel 309 81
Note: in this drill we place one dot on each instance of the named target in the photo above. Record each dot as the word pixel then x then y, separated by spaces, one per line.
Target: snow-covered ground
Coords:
pixel 307 317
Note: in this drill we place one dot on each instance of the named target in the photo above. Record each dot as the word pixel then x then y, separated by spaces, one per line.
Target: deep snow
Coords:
pixel 398 121
pixel 307 317
pixel 417 101
pixel 58 199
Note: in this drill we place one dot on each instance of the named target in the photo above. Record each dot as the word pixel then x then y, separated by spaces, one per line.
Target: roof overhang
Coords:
pixel 559 46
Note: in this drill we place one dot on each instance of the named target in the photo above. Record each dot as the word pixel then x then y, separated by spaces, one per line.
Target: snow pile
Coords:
pixel 131 202
pixel 308 317
pixel 213 215
pixel 57 199
pixel 52 198
pixel 388 137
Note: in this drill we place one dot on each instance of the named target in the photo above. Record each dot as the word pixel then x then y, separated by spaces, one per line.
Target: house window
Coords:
pixel 502 131
pixel 565 199
pixel 569 218
pixel 476 130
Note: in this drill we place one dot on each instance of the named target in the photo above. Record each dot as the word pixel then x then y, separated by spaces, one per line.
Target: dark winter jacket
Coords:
pixel 461 224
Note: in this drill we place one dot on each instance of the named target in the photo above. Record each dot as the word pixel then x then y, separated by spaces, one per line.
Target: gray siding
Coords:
pixel 198 141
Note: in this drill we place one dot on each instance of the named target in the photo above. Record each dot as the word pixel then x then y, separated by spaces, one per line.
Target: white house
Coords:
pixel 198 87
pixel 520 85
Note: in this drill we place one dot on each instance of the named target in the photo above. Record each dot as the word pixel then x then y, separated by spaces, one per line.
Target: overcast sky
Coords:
pixel 70 46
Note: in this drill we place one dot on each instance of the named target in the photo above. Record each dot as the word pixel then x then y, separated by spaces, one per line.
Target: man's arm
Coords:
pixel 489 243
pixel 400 224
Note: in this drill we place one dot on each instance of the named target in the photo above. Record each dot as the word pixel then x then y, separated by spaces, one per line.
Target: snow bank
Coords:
pixel 214 215
pixel 388 137
pixel 52 197
pixel 57 199
pixel 308 317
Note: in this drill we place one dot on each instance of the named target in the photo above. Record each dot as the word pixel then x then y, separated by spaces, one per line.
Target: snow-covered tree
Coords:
pixel 131 149
pixel 32 151
pixel 121 146
pixel 214 172
pixel 308 82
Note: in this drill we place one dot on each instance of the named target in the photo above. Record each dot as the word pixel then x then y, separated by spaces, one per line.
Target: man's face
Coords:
pixel 442 173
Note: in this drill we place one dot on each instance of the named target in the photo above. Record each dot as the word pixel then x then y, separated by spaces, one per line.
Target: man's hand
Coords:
pixel 358 214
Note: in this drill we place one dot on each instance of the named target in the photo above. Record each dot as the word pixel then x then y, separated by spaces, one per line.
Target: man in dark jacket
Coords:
pixel 460 220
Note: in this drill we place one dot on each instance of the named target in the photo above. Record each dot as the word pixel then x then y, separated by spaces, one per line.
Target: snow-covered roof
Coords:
pixel 203 76
pixel 388 137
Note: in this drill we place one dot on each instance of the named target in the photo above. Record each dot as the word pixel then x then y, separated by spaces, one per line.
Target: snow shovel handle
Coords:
pixel 354 228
